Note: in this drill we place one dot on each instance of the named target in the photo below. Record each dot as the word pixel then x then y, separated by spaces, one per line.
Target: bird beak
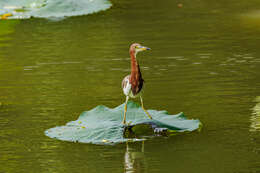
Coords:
pixel 144 48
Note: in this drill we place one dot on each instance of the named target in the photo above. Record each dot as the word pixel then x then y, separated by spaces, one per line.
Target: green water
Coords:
pixel 204 62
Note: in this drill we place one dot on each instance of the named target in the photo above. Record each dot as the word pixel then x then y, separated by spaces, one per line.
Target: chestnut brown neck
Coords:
pixel 135 69
pixel 136 79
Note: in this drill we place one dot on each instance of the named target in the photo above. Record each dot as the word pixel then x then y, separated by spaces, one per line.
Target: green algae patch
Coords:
pixel 103 125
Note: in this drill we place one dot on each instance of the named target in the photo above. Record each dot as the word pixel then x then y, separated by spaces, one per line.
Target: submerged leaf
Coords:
pixel 103 125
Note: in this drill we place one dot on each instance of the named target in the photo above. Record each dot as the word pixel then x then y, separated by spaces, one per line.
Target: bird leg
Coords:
pixel 145 109
pixel 125 109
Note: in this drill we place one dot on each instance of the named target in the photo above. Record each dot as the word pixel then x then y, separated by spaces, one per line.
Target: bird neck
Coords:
pixel 136 79
pixel 135 69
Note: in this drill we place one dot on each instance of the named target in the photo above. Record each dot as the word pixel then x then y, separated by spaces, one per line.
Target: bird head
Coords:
pixel 136 47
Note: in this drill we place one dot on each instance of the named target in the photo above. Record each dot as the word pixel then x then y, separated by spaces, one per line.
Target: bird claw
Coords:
pixel 126 124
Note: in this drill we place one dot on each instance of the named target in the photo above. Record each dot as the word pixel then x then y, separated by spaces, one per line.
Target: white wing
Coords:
pixel 126 85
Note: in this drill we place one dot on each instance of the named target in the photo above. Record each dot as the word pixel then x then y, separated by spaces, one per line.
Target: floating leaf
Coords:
pixel 103 125
pixel 21 9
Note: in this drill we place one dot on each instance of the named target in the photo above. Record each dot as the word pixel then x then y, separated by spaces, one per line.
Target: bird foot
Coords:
pixel 126 124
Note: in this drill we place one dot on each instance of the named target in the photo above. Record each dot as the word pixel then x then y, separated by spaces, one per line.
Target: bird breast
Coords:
pixel 127 87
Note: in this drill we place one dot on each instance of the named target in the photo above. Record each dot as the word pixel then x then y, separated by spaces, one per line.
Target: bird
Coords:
pixel 132 84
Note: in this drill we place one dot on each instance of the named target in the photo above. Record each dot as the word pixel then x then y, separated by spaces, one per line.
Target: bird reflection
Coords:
pixel 134 159
pixel 255 118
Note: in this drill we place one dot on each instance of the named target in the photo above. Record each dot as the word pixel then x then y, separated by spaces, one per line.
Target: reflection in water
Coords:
pixel 255 118
pixel 134 160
